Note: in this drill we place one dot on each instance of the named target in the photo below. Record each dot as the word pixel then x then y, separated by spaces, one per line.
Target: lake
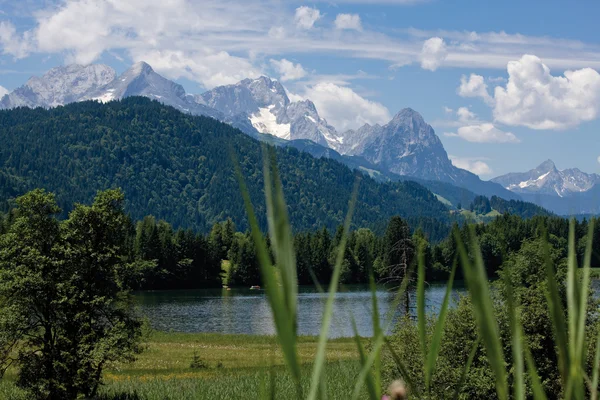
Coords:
pixel 246 311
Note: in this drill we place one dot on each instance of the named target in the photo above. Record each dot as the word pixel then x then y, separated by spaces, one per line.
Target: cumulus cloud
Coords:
pixel 306 17
pixel 3 91
pixel 475 131
pixel 344 108
pixel 288 70
pixel 18 46
pixel 475 86
pixel 433 53
pixel 465 115
pixel 536 99
pixel 474 165
pixel 348 21
pixel 212 68
pixel 447 110
pixel 483 133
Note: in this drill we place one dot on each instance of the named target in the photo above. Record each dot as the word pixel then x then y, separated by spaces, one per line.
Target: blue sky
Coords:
pixel 505 84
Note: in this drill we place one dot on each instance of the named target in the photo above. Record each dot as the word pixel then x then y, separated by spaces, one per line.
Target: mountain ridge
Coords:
pixel 548 180
pixel 405 146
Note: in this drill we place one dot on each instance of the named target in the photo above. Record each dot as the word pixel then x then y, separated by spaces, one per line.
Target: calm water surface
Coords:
pixel 247 311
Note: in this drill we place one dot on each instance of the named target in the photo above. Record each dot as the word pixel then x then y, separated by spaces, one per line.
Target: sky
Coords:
pixel 505 84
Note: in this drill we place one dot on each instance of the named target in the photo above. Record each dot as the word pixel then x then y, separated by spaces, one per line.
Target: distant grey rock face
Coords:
pixel 548 180
pixel 406 145
pixel 59 86
pixel 141 80
pixel 265 104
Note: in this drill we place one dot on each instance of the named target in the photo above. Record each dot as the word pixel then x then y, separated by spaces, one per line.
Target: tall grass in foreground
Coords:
pixel 281 289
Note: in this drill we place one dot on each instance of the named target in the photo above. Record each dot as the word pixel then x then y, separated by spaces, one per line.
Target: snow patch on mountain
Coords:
pixel 266 122
pixel 547 179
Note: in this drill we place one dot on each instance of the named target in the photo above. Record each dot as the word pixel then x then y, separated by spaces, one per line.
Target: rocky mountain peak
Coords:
pixel 141 68
pixel 408 115
pixel 547 166
pixel 59 86
pixel 548 180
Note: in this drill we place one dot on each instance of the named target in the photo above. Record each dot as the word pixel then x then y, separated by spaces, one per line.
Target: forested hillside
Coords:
pixel 178 168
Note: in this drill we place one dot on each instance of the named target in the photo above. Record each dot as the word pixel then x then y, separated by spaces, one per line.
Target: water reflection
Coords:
pixel 247 312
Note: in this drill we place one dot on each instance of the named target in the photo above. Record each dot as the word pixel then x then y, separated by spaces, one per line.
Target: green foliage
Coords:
pixel 520 308
pixel 64 314
pixel 178 168
pixel 481 205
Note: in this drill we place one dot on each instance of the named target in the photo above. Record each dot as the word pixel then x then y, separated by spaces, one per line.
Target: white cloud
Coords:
pixel 475 86
pixel 473 130
pixel 536 99
pixel 598 159
pixel 465 115
pixel 288 70
pixel 447 110
pixel 483 133
pixel 348 21
pixel 369 2
pixel 18 46
pixel 306 17
pixel 3 91
pixel 344 108
pixel 433 53
pixel 212 68
pixel 277 32
pixel 475 165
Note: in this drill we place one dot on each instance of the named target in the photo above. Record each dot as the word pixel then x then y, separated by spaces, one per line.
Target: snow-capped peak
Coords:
pixel 547 179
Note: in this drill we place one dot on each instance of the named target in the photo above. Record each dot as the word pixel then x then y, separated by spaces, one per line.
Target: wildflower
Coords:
pixel 397 391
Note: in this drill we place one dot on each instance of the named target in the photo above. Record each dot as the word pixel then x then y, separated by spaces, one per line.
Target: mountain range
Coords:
pixel 566 192
pixel 406 146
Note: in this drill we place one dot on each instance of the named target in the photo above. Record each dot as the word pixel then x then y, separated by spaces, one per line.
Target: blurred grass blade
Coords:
pixel 371 387
pixel 436 340
pixel 516 336
pixel 376 331
pixel 584 292
pixel 557 313
pixel 477 283
pixel 284 322
pixel 402 369
pixel 280 232
pixel 421 321
pixel 596 370
pixel 465 372
pixel 333 285
pixel 574 387
pixel 379 339
pixel 536 383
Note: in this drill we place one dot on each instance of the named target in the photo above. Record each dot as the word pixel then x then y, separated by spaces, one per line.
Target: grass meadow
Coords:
pixel 228 366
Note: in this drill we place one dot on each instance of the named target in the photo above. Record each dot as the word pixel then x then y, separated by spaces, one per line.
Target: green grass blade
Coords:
pixel 516 340
pixel 280 232
pixel 477 283
pixel 379 339
pixel 284 325
pixel 402 369
pixel 536 383
pixel 327 314
pixel 574 387
pixel 596 370
pixel 584 293
pixel 371 387
pixel 465 372
pixel 436 340
pixel 421 318
pixel 376 331
pixel 557 313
